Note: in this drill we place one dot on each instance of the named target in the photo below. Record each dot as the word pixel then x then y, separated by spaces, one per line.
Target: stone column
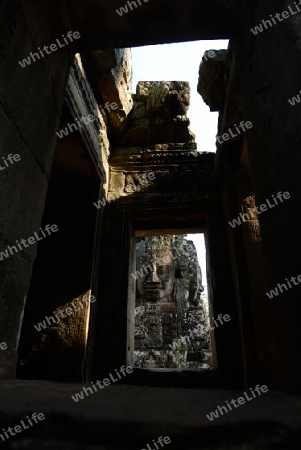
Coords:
pixel 31 101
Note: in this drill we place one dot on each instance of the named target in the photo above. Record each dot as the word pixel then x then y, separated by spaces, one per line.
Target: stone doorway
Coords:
pixel 171 318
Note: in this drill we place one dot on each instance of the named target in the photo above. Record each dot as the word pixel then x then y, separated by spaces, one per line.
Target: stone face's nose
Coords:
pixel 153 277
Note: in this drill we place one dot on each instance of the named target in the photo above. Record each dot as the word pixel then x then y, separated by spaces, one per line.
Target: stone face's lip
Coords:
pixel 155 292
pixel 152 288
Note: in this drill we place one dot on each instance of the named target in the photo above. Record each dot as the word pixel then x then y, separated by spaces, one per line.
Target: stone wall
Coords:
pixel 253 83
pixel 62 278
pixel 30 108
pixel 268 68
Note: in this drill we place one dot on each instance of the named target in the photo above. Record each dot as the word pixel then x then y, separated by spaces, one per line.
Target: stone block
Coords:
pixel 171 98
pixel 167 307
pixel 111 72
pixel 117 183
pixel 139 110
pixel 33 107
pixel 171 130
pixel 15 275
pixel 138 134
pixel 23 188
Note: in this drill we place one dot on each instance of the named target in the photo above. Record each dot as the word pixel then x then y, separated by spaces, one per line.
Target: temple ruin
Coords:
pixel 96 174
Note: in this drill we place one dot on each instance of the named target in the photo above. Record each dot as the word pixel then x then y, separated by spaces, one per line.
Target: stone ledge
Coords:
pixel 129 417
pixel 127 158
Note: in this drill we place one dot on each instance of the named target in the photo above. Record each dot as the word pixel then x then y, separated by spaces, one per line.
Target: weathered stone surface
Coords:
pixel 166 130
pixel 158 115
pixel 139 132
pixel 66 334
pixel 139 111
pixel 172 97
pixel 211 85
pixel 81 103
pixel 111 71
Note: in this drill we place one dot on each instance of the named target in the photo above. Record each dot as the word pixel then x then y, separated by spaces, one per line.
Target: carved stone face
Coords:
pixel 158 282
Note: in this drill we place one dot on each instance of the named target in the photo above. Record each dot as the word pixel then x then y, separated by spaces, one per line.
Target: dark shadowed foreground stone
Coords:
pixel 128 417
pixel 211 85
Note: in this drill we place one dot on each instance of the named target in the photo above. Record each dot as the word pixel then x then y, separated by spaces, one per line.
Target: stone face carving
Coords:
pixel 171 327
pixel 158 282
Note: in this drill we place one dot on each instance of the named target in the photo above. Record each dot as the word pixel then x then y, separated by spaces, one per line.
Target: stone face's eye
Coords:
pixel 163 270
pixel 160 270
pixel 178 273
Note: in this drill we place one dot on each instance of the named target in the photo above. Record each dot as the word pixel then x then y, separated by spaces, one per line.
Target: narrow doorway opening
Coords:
pixel 172 330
